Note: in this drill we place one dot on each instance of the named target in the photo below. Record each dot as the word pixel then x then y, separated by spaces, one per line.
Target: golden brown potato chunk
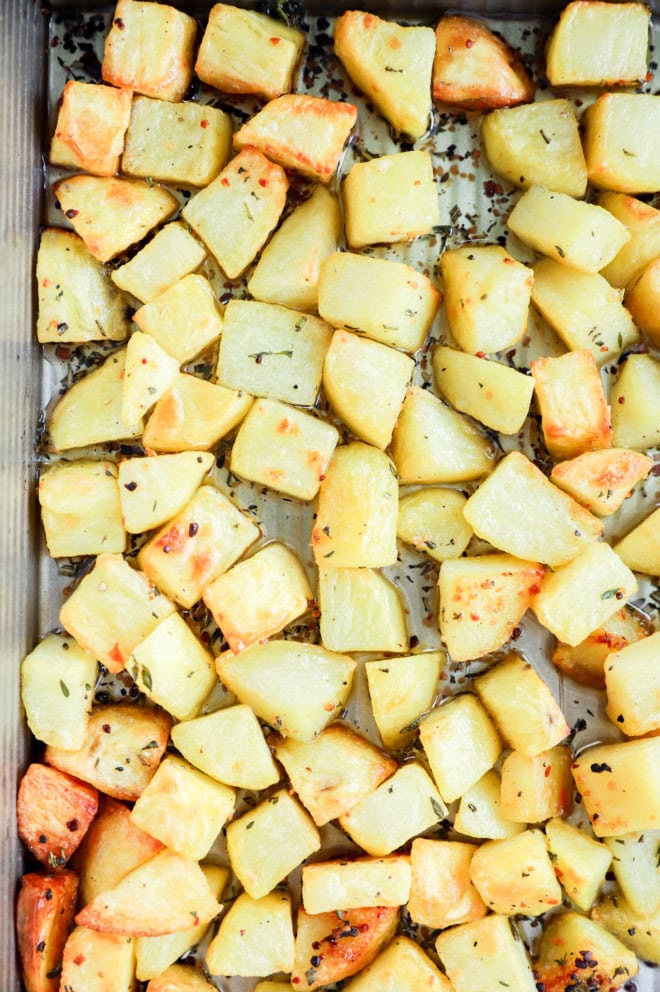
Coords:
pixel 44 914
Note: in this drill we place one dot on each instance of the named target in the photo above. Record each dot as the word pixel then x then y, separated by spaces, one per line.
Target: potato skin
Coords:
pixel 44 915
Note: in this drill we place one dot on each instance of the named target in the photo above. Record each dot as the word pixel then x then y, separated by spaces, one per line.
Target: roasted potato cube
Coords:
pixel 391 198
pixel 575 416
pixel 584 310
pixel 433 443
pixel 288 268
pixel 487 295
pixel 493 393
pixel 77 301
pixel 272 351
pixel 441 893
pixel 403 966
pixel 365 383
pixel 90 410
pixel 184 319
pixel 485 955
pixel 522 706
pixel 641 932
pixel 179 143
pixel 633 692
pixel 296 687
pixel 640 548
pixel 153 490
pixel 243 51
pixel 622 142
pixel 599 44
pixel 333 773
pixel 57 684
pixel 431 520
pixel 283 448
pixel 461 744
pixel 561 527
pixel 620 787
pixel 254 938
pixel 90 128
pixel 482 599
pixel 112 610
pixel 585 663
pixel 571 941
pixel 148 374
pixel 150 49
pixel 643 301
pixel 160 896
pixel 515 875
pixel 537 145
pixel 339 944
pixel 475 69
pixel 392 66
pixel 579 596
pixel 116 733
pixel 580 862
pixel 406 804
pixel 268 842
pixel 197 545
pixel 579 235
pixel 179 978
pixel 643 223
pixel 301 132
pixel 401 691
pixel 361 610
pixel 388 301
pixel 364 882
pixel 635 403
pixel 53 811
pixel 536 787
pixel 170 255
pixel 235 213
pixel 97 962
pixel 209 743
pixel 259 597
pixel 112 214
pixel 80 509
pixel 602 480
pixel 635 865
pixel 44 915
pixel 193 415
pixel 480 812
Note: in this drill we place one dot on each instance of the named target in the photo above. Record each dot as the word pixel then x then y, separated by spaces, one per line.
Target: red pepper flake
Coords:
pixel 469 43
pixel 204 123
pixel 263 182
pixel 119 23
pixel 548 771
pixel 276 41
pixel 224 182
pixel 71 213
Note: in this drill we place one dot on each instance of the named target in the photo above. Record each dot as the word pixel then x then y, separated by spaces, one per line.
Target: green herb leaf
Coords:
pixel 65 689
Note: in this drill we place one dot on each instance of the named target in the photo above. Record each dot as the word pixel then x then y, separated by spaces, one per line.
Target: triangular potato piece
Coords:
pixel 149 373
pixel 392 66
pixel 475 69
pixel 194 414
pixel 601 480
pixel 333 946
pixel 153 490
pixel 361 610
pixel 112 214
pixel 162 895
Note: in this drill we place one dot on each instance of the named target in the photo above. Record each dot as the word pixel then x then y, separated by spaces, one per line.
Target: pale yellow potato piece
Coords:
pixel 482 599
pixel 640 548
pixel 402 967
pixel 622 142
pixel 391 198
pixel 602 959
pixel 283 448
pixel 80 509
pixel 198 545
pixel 170 255
pixel 57 684
pixel 402 690
pixel 515 875
pixel 193 415
pixel 363 882
pixel 635 400
pixel 441 893
pixel 97 962
pixel 348 941
pixel 484 955
pixel 575 417
pixel 209 743
pixel 388 301
pixel 179 143
pixel 392 66
pixel 270 841
pixel 493 393
pixel 433 443
pixel 112 214
pixel 635 865
pixel 643 301
pixel 585 662
pixel 243 51
pixel 640 931
pixel 598 44
pixel 77 301
pixel 620 786
pixel 487 294
pixel 480 812
pixel 461 744
pixel 361 610
pixel 431 520
pixel 521 705
pixel 179 978
pixel 297 688
pixel 149 49
pixel 580 862
pixel 537 144
pixel 90 129
pixel 254 938
pixel 334 772
pixel 272 351
pixel 517 492
pixel 148 374
pixel 287 271
pixel 154 489
pixel 184 319
pixel 643 223
pixel 579 235
pixel 602 480
pixel 633 690
pixel 536 787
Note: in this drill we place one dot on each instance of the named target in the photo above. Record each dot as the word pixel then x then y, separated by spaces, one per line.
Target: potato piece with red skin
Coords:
pixel 54 811
pixel 44 915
